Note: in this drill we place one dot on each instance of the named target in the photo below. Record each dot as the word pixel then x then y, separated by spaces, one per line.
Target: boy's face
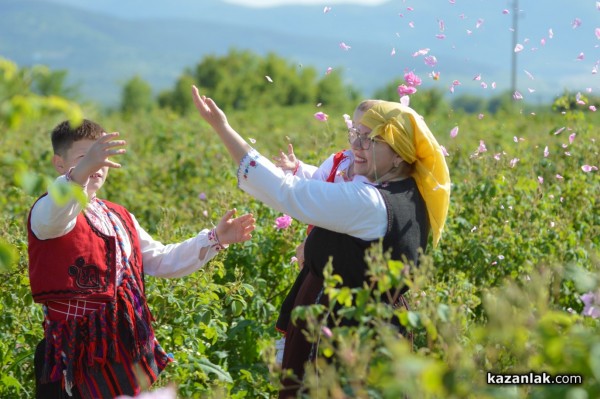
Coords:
pixel 73 155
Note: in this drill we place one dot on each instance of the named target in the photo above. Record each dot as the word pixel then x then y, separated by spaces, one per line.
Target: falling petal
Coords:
pixel 572 137
pixel 469 31
pixel 321 116
pixel 423 51
pixel 405 100
pixel 393 53
pixel 455 83
pixel 205 213
pixel 454 132
pixel 411 24
pixel 328 71
pixel 444 151
pixel 293 259
pixel 517 96
pixel 559 131
pixel 593 108
pixel 529 89
pixel 326 331
pixel 543 42
pixel 493 85
pixel 479 23
pixel 529 75
pixel 473 229
pixel 515 139
pixel 202 196
pixel 477 77
pixel 480 116
pixel 597 32
pixel 546 152
pixel 588 168
pixel 430 60
pixel 518 47
pixel 497 156
pixel 513 162
pixel 440 36
pixel 269 79
pixel 435 75
pixel 505 12
pixel 344 46
pixel 348 121
pixel 581 56
pixel 441 25
pixel 251 140
pixel 559 177
pixel 550 33
pixel 540 179
pixel 326 10
pixel 484 85
pixel 576 23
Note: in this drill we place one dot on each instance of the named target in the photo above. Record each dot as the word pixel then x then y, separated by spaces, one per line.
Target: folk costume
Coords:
pixel 351 217
pixel 87 269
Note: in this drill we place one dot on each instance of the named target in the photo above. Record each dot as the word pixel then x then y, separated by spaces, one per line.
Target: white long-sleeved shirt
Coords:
pixel 354 208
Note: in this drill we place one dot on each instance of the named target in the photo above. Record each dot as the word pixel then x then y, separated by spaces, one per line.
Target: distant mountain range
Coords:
pixel 104 43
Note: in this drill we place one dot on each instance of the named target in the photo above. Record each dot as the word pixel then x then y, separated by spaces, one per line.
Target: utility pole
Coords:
pixel 515 38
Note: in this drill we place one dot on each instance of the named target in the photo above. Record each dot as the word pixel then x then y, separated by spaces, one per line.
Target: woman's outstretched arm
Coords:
pixel 235 144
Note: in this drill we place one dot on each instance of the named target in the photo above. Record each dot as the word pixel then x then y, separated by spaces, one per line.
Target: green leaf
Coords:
pixel 8 256
pixel 210 368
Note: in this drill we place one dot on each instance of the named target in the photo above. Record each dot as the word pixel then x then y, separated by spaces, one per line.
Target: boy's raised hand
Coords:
pixel 97 157
pixel 287 161
pixel 231 230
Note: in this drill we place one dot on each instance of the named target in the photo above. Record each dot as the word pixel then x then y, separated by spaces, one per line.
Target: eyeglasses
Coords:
pixel 364 142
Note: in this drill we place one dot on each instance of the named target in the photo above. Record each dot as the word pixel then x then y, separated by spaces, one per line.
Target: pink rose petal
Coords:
pixel 454 132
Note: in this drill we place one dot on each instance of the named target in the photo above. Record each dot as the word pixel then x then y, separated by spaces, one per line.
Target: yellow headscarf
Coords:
pixel 407 134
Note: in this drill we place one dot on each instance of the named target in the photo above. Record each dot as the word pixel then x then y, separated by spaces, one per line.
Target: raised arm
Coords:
pixel 235 144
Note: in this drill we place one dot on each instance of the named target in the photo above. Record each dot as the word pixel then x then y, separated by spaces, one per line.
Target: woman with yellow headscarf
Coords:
pixel 406 196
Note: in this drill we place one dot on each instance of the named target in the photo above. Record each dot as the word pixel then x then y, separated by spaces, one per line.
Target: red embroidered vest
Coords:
pixel 81 264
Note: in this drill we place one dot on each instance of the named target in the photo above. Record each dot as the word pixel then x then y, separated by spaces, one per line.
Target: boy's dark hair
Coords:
pixel 64 135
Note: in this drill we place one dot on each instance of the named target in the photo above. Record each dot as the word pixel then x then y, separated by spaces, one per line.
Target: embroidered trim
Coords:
pixel 246 163
pixel 213 238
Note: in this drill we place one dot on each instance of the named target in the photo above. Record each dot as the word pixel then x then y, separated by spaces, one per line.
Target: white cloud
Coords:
pixel 275 3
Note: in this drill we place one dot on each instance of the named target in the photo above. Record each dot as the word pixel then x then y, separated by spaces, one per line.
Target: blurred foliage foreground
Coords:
pixel 512 289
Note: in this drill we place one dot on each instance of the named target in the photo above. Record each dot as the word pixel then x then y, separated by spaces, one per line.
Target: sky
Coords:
pixel 275 3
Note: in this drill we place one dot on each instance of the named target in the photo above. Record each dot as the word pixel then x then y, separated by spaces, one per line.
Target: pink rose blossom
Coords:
pixel 482 147
pixel 321 116
pixel 411 79
pixel 283 222
pixel 591 302
pixel 406 90
pixel 588 168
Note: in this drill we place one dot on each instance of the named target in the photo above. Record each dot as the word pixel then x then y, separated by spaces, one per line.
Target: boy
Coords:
pixel 86 267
